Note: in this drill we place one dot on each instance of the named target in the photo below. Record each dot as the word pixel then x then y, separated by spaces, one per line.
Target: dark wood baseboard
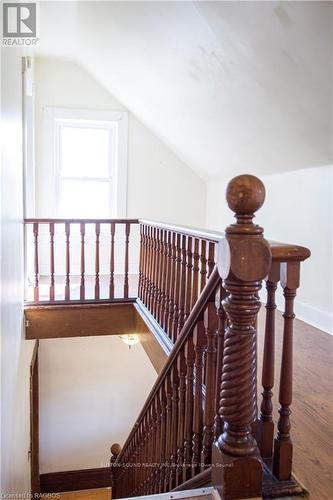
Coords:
pixel 85 479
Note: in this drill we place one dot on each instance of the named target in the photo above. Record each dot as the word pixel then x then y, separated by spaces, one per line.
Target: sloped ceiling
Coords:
pixel 228 86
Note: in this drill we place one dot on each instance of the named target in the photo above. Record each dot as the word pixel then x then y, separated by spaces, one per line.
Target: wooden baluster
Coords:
pixel 137 443
pixel 199 340
pixel 127 235
pixel 181 365
pixel 168 391
pixel 152 300
pixel 51 294
pixel 141 261
pixel 145 265
pixel 174 426
pixel 151 447
pixel 283 448
pixel 146 293
pixel 139 470
pixel 236 450
pixel 222 323
pixel 189 278
pixel 211 258
pixel 196 269
pixel 82 264
pixel 168 271
pixel 158 275
pixel 144 454
pixel 177 288
pixel 162 396
pixel 157 453
pixel 150 267
pixel 203 264
pixel 67 281
pixel 211 326
pixel 173 252
pixel 36 262
pixel 182 291
pixel 111 284
pixel 163 275
pixel 265 427
pixel 146 460
pixel 154 448
pixel 97 233
pixel 189 356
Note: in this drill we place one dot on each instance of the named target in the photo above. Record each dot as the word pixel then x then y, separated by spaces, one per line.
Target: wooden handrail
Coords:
pixel 212 283
pixel 282 252
pixel 79 221
pixel 204 234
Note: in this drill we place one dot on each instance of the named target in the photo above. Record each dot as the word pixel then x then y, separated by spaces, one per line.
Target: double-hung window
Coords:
pixel 90 163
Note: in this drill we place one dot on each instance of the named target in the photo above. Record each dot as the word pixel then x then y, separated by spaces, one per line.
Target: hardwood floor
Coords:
pixel 312 407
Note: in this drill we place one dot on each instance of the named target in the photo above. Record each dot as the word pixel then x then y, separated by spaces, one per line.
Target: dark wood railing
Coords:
pixel 175 263
pixel 58 282
pixel 200 421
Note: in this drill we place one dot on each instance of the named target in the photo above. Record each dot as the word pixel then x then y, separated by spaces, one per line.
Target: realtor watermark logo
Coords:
pixel 19 24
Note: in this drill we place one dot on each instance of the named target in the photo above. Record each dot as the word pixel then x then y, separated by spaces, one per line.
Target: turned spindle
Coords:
pixel 265 428
pixel 244 260
pixel 211 325
pixel 283 448
pixel 199 340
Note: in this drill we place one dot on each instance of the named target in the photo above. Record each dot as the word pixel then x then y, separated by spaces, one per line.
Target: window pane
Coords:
pixel 84 199
pixel 84 152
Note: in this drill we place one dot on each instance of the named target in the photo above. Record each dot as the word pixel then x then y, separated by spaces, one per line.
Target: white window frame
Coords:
pixel 117 123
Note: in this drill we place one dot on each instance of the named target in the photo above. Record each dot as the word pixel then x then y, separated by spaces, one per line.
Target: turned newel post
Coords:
pixel 115 450
pixel 244 260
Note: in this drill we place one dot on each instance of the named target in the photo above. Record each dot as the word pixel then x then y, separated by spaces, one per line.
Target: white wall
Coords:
pixel 298 209
pixel 160 186
pixel 91 391
pixel 16 353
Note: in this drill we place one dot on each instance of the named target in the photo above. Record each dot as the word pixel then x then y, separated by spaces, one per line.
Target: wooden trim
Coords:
pixel 155 342
pixel 154 327
pixel 73 480
pixel 79 320
pixel 34 421
pixel 69 303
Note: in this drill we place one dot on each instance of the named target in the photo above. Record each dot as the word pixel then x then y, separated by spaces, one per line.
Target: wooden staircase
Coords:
pixel 198 292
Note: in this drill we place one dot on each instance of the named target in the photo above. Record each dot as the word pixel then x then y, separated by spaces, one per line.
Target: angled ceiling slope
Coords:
pixel 228 86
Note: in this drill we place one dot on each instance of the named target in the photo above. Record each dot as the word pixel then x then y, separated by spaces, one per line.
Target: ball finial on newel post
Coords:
pixel 245 195
pixel 244 260
pixel 115 450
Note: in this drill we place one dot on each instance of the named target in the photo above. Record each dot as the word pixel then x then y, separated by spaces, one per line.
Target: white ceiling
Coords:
pixel 228 86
